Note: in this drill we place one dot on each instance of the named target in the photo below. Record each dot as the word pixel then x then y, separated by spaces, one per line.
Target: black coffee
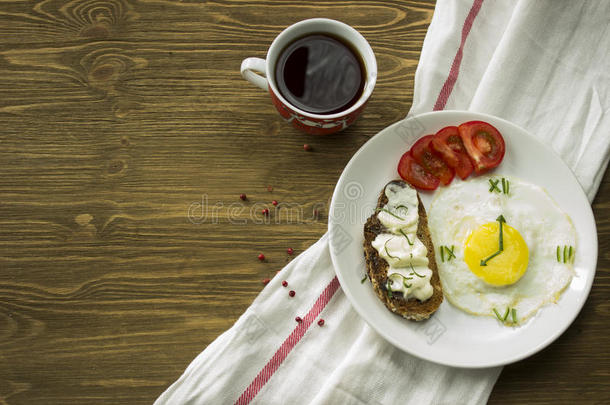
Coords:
pixel 320 74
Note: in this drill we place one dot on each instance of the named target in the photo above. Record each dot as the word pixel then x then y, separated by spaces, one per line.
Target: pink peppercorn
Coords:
pixel 285 283
pixel 274 202
pixel 298 319
pixel 265 212
pixel 265 281
pixel 290 251
pixel 321 322
pixel 292 293
pixel 261 257
pixel 307 147
pixel 243 197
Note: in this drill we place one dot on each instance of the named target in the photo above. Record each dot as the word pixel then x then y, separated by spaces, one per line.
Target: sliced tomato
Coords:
pixel 431 162
pixel 484 145
pixel 413 173
pixel 448 144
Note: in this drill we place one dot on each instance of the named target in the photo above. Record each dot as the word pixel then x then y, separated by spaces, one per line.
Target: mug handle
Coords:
pixel 251 65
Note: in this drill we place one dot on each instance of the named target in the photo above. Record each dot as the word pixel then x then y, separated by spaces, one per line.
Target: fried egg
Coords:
pixel 503 246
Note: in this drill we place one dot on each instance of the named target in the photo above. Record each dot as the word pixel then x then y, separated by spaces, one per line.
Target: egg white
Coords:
pixel 463 206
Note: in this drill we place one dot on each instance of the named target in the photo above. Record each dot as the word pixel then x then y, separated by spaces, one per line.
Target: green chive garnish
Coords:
pixel 501 220
pixel 386 249
pixel 494 185
pixel 404 282
pixel 414 272
pixel 363 279
pixel 511 311
pixel 391 213
pixel 405 235
pixel 450 252
pixel 484 262
pixel 567 255
pixel 389 288
pixel 403 206
pixel 505 186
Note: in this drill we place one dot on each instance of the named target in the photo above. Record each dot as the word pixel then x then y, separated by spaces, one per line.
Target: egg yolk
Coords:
pixel 503 269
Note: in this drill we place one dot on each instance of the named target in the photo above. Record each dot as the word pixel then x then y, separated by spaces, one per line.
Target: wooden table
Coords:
pixel 118 118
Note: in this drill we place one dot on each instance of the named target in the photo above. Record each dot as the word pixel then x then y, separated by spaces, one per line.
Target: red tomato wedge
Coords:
pixel 448 144
pixel 431 162
pixel 484 144
pixel 415 174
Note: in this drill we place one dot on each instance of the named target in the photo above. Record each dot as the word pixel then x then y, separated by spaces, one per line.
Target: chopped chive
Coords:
pixel 403 206
pixel 503 319
pixel 405 235
pixel 389 288
pixel 501 220
pixel 505 185
pixel 389 255
pixel 484 261
pixel 363 279
pixel 565 248
pixel 404 282
pixel 391 213
pixel 494 185
pixel 414 272
pixel 570 255
pixel 558 253
pixel 450 252
pixel 385 246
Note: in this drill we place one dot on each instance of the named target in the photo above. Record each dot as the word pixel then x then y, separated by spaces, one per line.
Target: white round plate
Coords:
pixel 451 336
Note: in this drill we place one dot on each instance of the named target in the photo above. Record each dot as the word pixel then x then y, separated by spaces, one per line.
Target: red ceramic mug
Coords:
pixel 261 72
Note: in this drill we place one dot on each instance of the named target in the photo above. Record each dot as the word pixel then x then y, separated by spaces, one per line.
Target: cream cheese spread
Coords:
pixel 401 248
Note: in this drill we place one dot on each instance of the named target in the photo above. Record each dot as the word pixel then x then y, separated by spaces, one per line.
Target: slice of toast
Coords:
pixel 377 267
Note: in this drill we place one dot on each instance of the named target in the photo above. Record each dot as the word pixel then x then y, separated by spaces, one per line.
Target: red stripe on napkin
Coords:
pixel 272 365
pixel 441 101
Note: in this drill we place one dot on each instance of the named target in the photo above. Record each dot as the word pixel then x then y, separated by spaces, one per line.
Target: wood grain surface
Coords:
pixel 126 137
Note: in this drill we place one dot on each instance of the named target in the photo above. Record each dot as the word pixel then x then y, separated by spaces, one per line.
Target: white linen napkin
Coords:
pixel 542 65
